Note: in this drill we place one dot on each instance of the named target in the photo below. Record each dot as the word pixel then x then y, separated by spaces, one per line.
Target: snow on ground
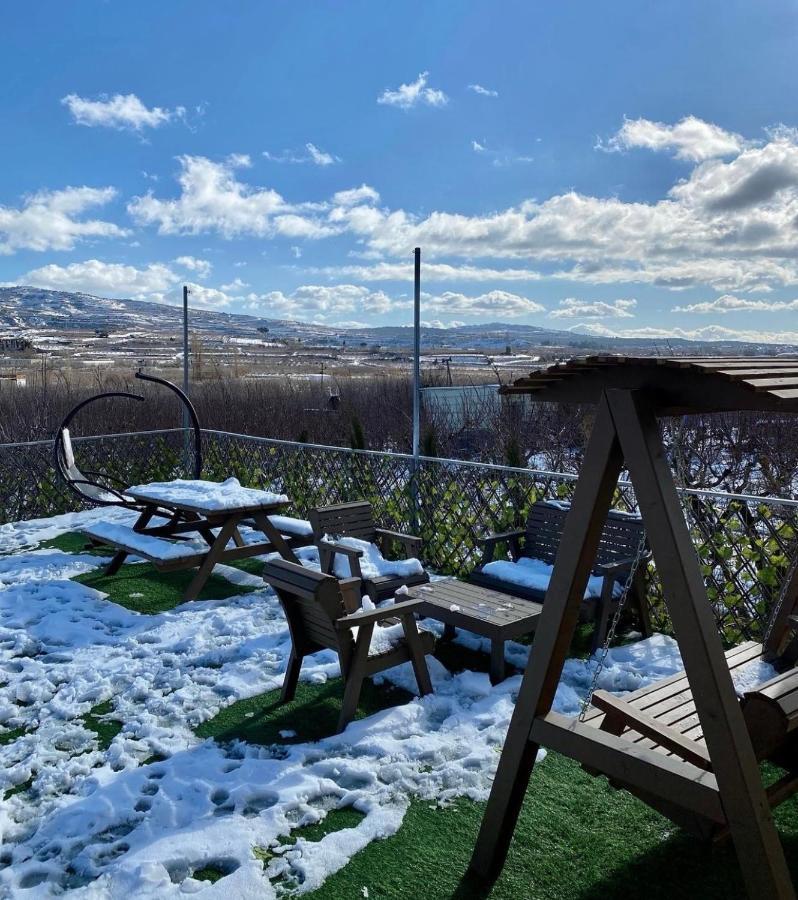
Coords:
pixel 102 823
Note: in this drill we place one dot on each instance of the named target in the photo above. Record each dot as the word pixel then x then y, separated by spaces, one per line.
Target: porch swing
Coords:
pixel 687 745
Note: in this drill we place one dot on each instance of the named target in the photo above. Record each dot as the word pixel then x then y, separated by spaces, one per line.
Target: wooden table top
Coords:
pixel 242 500
pixel 461 603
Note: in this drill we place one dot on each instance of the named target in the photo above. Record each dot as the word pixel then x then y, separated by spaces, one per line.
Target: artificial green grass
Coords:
pixel 98 720
pixel 576 838
pixel 72 542
pixel 6 737
pixel 311 715
pixel 140 588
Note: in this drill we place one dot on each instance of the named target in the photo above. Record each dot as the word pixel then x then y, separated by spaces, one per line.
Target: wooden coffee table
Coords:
pixel 491 614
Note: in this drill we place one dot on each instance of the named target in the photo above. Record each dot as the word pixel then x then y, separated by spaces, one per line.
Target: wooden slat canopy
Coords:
pixel 676 385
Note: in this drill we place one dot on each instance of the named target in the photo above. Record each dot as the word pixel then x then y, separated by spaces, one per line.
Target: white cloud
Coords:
pixel 312 154
pixel 728 225
pixel 690 139
pixel 356 196
pixel 432 271
pixel 48 220
pixel 122 111
pixel 497 304
pixel 483 91
pixel 236 284
pixel 200 295
pixel 105 279
pixel 571 308
pixel 201 266
pixel 707 333
pixel 729 303
pixel 212 199
pixel 500 158
pixel 320 300
pixel 414 94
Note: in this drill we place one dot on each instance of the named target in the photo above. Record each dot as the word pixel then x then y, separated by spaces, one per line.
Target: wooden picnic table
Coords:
pixel 202 507
pixel 489 613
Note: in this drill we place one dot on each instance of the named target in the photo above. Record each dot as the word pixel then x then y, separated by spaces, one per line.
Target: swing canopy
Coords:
pixel 677 385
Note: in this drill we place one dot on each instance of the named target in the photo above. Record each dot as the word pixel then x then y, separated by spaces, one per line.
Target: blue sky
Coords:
pixel 616 168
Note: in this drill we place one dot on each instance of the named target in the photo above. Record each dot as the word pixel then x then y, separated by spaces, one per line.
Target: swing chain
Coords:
pixel 616 618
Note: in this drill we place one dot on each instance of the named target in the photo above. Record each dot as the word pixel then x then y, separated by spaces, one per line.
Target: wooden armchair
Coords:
pixel 540 540
pixel 319 607
pixel 357 520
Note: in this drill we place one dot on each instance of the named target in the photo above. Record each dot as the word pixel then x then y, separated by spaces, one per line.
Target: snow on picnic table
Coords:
pixel 104 823
pixel 211 496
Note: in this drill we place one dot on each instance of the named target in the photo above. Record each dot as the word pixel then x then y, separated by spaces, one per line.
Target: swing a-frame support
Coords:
pixel 721 785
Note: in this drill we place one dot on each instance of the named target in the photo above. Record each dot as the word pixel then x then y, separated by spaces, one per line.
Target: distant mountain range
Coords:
pixel 30 312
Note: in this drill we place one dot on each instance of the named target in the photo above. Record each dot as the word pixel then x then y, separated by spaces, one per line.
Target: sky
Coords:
pixel 610 168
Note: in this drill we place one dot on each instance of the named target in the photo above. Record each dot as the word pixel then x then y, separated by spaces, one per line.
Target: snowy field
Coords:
pixel 102 823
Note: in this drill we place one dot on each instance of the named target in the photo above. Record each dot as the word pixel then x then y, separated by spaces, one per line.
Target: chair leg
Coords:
pixel 354 672
pixel 605 605
pixel 291 676
pixel 351 695
pixel 417 657
pixel 641 601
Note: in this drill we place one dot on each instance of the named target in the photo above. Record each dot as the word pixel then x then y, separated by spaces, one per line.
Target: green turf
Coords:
pixel 312 714
pixel 98 720
pixel 139 587
pixel 72 542
pixel 6 737
pixel 576 838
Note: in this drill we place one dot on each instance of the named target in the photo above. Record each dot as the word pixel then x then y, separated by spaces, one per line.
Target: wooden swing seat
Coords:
pixel 662 717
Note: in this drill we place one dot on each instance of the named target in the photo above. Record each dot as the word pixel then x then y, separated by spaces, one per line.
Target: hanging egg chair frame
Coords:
pixel 86 485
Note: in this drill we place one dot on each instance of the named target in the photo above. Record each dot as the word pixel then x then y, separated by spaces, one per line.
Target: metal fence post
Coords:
pixel 414 493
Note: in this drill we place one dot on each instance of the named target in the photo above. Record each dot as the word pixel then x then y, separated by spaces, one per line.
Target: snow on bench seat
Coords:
pixel 290 525
pixel 152 548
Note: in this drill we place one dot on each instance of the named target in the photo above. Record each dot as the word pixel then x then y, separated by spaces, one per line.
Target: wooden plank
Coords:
pixel 652 728
pixel 750 822
pixel 556 627
pixel 767 382
pixel 672 779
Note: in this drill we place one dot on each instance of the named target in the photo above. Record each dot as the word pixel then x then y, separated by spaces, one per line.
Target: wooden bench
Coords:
pixel 357 520
pixel 540 540
pixel 318 609
pixel 662 717
pixel 163 554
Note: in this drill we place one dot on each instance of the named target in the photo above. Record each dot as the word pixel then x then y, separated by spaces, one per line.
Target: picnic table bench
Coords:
pixel 173 510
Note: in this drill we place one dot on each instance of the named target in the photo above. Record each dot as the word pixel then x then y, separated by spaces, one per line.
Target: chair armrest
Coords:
pixel 398 535
pixel 333 547
pixel 618 566
pixel 410 542
pixel 502 536
pixel 489 545
pixel 377 615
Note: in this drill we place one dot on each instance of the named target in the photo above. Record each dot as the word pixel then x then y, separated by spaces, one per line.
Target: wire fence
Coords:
pixel 744 543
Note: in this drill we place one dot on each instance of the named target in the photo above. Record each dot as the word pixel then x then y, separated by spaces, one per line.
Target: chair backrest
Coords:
pixel 620 536
pixel 344 519
pixel 312 603
pixel 71 470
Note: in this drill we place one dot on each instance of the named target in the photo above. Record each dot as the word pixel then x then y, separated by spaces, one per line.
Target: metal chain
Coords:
pixel 616 618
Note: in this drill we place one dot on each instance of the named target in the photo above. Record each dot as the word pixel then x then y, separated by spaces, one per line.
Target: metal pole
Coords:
pixel 185 358
pixel 417 354
pixel 416 389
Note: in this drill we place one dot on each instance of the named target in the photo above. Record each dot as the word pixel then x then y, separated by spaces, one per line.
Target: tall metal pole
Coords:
pixel 414 507
pixel 185 353
pixel 417 354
